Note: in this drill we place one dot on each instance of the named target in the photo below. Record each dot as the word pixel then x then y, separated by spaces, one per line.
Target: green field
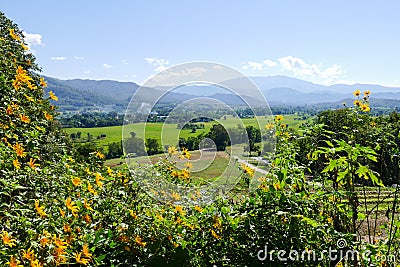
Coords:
pixel 168 132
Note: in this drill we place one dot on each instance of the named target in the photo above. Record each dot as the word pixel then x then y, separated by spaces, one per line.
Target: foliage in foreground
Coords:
pixel 57 210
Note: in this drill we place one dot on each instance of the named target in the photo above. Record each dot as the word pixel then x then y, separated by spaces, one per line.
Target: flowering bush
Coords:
pixel 57 210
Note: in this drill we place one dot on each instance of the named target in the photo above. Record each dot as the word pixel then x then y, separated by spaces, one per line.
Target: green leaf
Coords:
pixel 310 221
pixel 361 216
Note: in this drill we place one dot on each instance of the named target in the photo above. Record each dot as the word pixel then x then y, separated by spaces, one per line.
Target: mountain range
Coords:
pixel 80 95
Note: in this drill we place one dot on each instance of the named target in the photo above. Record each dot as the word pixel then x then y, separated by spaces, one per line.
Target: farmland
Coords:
pixel 169 132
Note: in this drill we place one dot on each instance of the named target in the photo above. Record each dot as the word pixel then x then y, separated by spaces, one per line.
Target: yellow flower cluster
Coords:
pixel 22 78
pixel 362 104
pixel 40 209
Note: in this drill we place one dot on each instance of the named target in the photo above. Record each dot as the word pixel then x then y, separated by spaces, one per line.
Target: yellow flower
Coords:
pixel 330 220
pixel 31 99
pixel 133 214
pixel 278 118
pixel 16 164
pixel 175 196
pixel 175 174
pixel 87 205
pixel 98 179
pixel 14 262
pixel 32 163
pixel 39 209
pixel 198 208
pixel 90 189
pixel 357 92
pixel 86 252
pixel 71 206
pixel 214 234
pixel 159 217
pixel 356 102
pixel 217 223
pixel 14 36
pixel 100 155
pixel 367 92
pixel 43 83
pixel 9 110
pixel 81 260
pixel 24 47
pixel 7 239
pixel 45 241
pixel 188 165
pixel 277 186
pixel 139 241
pixel 76 181
pixel 269 126
pixel 36 263
pixel 48 116
pixel 186 153
pixel 62 212
pixel 53 96
pixel 19 150
pixel 180 210
pixel 59 256
pixel 365 108
pixel 185 174
pixel 59 242
pixel 28 254
pixel 67 228
pixel 87 218
pixel 246 169
pixel 373 124
pixel 172 150
pixel 24 118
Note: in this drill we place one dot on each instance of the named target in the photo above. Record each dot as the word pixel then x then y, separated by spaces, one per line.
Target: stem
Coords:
pixel 376 212
pixel 391 224
pixel 366 211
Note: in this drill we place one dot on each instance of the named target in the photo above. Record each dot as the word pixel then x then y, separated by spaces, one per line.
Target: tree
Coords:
pixel 114 150
pixel 253 133
pixel 220 136
pixel 254 136
pixel 134 145
pixel 152 146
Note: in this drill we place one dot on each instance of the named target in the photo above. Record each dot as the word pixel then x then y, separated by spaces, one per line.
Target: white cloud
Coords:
pixel 305 70
pixel 176 76
pixel 106 66
pixel 87 72
pixel 124 62
pixel 160 63
pixel 33 38
pixel 258 65
pixel 255 65
pixel 299 68
pixel 58 58
pixel 269 63
pixel 78 58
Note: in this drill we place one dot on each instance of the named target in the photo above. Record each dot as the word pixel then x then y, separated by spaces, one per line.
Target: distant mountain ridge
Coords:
pixel 82 95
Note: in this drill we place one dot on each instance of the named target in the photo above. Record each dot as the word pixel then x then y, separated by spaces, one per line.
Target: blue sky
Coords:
pixel 320 41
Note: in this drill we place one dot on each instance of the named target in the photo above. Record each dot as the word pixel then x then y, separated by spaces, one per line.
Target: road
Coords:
pixel 264 172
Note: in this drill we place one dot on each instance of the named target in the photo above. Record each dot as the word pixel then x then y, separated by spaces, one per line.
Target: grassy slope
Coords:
pixel 170 133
